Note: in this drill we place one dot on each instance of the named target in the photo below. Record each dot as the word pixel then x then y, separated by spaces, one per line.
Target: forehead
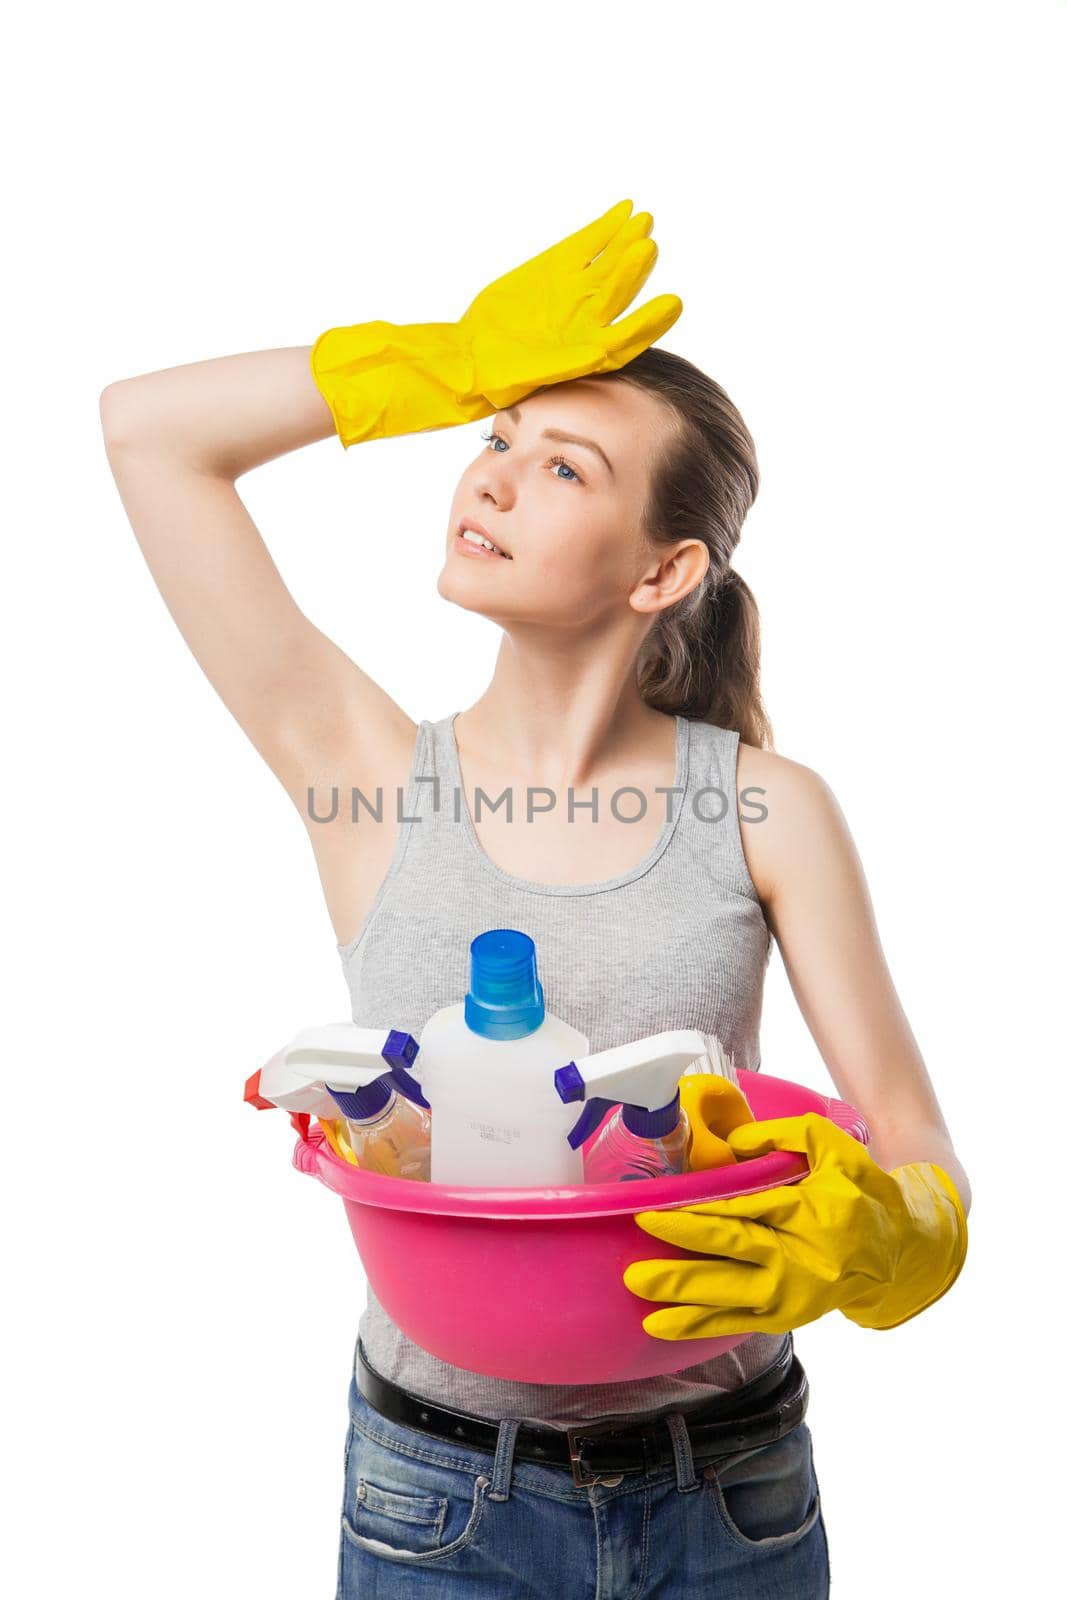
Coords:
pixel 626 421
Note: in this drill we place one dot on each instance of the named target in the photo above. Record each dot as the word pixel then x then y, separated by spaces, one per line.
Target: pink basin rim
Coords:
pixel 314 1157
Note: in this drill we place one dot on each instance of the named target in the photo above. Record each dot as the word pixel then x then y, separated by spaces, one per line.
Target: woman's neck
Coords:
pixel 562 718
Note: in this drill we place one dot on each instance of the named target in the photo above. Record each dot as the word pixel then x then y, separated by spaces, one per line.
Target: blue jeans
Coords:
pixel 425 1516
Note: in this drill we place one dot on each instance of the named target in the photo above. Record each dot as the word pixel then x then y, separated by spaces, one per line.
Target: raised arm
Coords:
pixel 177 441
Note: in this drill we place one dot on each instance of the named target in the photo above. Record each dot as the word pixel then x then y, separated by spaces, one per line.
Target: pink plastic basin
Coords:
pixel 527 1283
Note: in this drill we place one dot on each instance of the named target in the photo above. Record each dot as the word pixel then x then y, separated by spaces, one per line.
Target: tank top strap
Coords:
pixel 709 826
pixel 448 792
pixel 434 792
pixel 428 796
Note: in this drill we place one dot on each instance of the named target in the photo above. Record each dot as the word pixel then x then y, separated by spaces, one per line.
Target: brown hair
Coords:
pixel 701 657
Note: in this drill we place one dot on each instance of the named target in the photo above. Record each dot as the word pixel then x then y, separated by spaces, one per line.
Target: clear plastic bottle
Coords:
pixel 647 1133
pixel 620 1154
pixel 387 1132
pixel 365 1073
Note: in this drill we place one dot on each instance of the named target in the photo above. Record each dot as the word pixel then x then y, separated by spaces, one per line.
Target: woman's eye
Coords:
pixel 561 461
pixel 556 461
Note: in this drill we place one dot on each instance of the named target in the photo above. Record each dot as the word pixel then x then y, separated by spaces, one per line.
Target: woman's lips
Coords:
pixel 467 547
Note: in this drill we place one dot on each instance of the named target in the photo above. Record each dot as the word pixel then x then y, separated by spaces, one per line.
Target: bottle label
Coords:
pixel 490 1130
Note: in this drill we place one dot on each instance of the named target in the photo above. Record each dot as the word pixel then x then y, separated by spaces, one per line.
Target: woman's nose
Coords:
pixel 494 489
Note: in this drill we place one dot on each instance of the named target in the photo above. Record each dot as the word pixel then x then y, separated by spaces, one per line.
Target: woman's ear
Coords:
pixel 675 574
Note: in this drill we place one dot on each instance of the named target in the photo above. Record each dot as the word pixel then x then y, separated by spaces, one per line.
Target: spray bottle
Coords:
pixel 648 1136
pixel 339 1067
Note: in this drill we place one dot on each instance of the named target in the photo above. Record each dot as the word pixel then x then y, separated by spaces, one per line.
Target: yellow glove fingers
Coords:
pixel 811 1135
pixel 723 1299
pixel 597 301
pixel 803 1135
pixel 680 1322
pixel 579 249
pixel 834 1156
pixel 694 1322
pixel 731 1284
pixel 625 283
pixel 784 1245
pixel 609 263
pixel 640 329
pixel 735 1238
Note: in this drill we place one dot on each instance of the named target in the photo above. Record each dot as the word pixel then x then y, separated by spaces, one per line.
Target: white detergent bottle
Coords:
pixel 365 1073
pixel 648 1136
pixel 486 1066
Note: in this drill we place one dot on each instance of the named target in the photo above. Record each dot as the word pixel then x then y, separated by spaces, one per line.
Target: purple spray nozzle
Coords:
pixel 570 1086
pixel 400 1050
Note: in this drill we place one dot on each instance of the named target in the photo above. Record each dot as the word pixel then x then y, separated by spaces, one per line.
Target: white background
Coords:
pixel 859 207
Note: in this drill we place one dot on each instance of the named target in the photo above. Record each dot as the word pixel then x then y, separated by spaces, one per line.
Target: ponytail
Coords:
pixel 701 657
pixel 705 664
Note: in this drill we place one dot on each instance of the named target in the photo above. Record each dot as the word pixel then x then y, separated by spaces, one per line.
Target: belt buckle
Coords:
pixel 575 1438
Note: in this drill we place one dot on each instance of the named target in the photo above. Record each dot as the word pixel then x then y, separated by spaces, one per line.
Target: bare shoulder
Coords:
pixel 790 818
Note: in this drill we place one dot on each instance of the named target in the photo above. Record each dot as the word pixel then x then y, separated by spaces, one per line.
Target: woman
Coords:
pixel 595 527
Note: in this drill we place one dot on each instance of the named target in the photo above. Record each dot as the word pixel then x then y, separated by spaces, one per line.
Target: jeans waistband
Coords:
pixel 760 1411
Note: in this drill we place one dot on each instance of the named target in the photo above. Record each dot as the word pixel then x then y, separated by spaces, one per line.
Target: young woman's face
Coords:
pixel 567 518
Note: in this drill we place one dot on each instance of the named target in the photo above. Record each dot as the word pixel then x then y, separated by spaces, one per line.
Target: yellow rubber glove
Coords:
pixel 542 323
pixel 878 1246
pixel 713 1108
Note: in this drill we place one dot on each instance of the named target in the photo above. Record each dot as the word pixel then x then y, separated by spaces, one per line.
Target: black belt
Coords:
pixel 762 1410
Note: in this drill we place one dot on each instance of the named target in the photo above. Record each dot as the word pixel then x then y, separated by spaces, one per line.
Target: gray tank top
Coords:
pixel 678 941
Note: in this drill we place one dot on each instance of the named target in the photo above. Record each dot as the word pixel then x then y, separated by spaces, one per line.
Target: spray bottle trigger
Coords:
pixel 592 1112
pixel 411 1087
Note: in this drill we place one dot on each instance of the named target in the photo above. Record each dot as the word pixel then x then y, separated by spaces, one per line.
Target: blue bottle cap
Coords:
pixel 505 999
